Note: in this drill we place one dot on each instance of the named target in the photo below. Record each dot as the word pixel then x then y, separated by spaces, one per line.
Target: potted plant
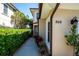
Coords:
pixel 38 40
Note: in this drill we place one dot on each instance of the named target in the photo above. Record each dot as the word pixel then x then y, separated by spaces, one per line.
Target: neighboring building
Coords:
pixel 6 10
pixel 35 14
pixel 54 24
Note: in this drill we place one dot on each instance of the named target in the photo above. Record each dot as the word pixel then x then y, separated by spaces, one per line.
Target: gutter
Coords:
pixel 40 9
pixel 56 7
pixel 12 6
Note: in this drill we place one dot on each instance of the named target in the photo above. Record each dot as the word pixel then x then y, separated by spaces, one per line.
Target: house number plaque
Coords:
pixel 58 21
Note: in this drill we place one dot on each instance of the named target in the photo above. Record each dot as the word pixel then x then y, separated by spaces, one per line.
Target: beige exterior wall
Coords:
pixel 59 30
pixel 43 31
pixel 42 28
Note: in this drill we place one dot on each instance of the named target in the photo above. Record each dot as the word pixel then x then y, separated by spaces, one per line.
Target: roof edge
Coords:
pixel 56 7
pixel 31 10
pixel 12 6
pixel 40 9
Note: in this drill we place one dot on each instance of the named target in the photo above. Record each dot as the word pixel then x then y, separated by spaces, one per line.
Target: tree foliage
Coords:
pixel 19 20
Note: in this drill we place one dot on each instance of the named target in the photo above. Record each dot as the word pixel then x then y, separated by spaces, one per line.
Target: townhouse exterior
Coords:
pixel 6 10
pixel 54 23
pixel 35 12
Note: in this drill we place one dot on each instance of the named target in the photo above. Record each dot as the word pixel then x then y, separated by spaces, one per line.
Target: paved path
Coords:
pixel 29 48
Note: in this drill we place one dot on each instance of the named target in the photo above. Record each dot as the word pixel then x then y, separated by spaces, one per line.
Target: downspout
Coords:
pixel 56 7
pixel 40 9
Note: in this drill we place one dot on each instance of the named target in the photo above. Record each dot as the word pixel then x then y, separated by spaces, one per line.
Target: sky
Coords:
pixel 25 8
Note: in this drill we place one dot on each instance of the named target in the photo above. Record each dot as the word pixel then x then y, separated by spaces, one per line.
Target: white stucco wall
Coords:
pixel 42 28
pixel 35 16
pixel 5 19
pixel 35 21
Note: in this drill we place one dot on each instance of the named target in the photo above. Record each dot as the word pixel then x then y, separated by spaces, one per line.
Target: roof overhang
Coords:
pixel 12 6
pixel 33 10
pixel 46 9
pixel 69 6
pixel 35 22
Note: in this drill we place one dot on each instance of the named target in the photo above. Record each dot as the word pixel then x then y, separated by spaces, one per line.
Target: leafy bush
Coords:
pixel 73 39
pixel 11 39
pixel 41 45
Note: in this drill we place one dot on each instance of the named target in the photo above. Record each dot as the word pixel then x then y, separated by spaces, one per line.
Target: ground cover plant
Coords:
pixel 12 39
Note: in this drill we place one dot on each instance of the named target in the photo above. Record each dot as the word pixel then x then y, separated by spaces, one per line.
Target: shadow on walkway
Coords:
pixel 29 48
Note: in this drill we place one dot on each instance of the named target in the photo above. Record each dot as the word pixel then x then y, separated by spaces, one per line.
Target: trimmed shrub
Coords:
pixel 12 39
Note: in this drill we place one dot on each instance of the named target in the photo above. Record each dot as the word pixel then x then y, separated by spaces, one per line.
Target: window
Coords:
pixel 5 9
pixel 37 15
pixel 78 28
pixel 49 32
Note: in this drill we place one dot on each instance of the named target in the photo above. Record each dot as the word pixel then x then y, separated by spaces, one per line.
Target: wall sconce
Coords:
pixel 74 20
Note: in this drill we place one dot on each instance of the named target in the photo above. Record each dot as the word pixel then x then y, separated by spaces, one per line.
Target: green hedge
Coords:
pixel 12 39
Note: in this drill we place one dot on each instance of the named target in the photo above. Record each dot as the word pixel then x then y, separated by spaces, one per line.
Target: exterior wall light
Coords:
pixel 74 20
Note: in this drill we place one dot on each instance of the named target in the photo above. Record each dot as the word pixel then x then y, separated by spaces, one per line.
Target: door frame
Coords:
pixel 48 43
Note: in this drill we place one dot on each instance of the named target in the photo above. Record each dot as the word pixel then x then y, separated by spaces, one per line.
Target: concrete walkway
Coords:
pixel 29 48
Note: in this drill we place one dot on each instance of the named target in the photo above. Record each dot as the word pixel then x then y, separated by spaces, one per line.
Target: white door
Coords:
pixel 48 33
